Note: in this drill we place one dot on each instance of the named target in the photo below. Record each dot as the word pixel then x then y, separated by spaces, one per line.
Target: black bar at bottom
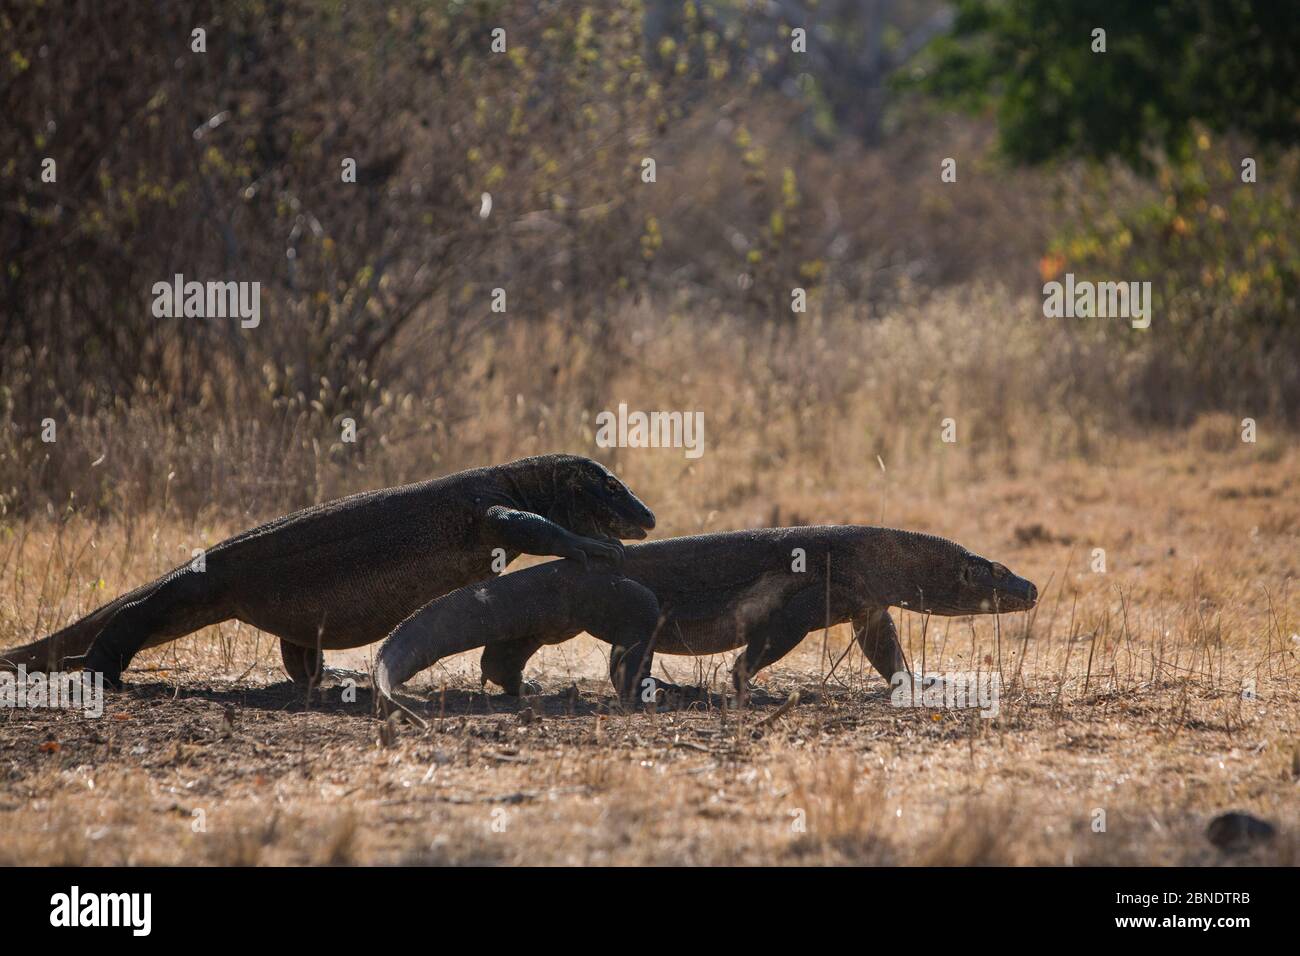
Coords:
pixel 334 906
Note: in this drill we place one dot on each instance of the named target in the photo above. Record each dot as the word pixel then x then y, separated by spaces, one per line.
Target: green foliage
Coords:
pixel 1222 255
pixel 1229 64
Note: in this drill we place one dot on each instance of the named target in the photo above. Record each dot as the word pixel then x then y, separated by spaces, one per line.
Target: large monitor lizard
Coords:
pixel 345 573
pixel 763 590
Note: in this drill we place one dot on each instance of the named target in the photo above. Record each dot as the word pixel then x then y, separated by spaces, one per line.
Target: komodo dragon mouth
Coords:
pixel 632 529
pixel 1010 592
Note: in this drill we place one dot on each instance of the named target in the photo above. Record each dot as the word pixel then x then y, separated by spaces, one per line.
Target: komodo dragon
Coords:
pixel 345 573
pixel 705 595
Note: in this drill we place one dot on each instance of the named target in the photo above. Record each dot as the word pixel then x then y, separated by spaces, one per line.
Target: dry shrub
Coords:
pixel 1215 432
pixel 976 833
pixel 843 807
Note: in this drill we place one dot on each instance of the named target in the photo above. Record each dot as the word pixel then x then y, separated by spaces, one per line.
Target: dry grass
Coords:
pixel 784 403
pixel 1123 693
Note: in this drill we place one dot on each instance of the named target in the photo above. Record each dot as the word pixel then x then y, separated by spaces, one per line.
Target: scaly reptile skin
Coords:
pixel 345 573
pixel 705 595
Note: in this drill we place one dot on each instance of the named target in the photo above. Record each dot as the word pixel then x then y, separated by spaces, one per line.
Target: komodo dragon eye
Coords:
pixel 999 571
pixel 611 483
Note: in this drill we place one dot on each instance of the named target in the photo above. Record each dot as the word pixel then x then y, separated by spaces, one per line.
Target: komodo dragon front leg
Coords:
pixel 779 634
pixel 522 532
pixel 503 664
pixel 875 633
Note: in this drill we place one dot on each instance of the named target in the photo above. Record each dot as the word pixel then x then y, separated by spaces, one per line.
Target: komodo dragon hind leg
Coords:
pixel 179 605
pixel 503 665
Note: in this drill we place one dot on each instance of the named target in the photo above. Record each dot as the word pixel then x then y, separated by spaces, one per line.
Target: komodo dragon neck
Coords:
pixel 536 484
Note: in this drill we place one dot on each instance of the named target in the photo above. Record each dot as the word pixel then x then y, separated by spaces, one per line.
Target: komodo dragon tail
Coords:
pixel 72 642
pixel 544 604
pixel 466 618
pixel 470 617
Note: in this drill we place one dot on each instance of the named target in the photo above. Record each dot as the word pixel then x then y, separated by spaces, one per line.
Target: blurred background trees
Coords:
pixel 522 170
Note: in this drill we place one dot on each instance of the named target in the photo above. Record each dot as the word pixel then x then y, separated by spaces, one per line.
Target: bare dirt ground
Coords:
pixel 1137 702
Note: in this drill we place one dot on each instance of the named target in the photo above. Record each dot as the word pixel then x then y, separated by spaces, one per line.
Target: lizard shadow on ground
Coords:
pixel 568 702
pixel 292 698
pixel 283 696
pixel 433 703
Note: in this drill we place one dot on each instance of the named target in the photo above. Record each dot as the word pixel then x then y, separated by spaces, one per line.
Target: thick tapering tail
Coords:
pixel 464 619
pixel 460 621
pixel 545 604
pixel 545 601
pixel 68 645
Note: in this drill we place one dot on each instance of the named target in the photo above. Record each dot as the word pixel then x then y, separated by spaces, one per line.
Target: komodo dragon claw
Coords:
pixel 586 550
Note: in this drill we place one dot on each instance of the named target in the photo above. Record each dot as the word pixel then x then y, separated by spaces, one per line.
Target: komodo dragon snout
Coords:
pixel 991 586
pixel 946 579
pixel 975 585
pixel 598 504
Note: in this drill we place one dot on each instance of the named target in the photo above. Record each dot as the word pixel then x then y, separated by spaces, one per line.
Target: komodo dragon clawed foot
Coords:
pixel 306 667
pixel 661 695
pixel 588 550
pixel 519 687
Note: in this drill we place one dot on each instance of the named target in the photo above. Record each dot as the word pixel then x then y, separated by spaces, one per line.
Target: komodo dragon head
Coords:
pixel 593 502
pixel 937 576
